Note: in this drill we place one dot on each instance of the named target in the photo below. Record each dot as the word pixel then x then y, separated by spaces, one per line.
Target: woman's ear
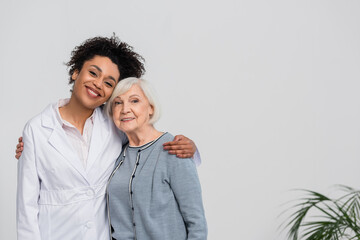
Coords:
pixel 151 111
pixel 75 75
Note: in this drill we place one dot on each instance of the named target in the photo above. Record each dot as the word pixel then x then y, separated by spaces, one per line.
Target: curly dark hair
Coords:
pixel 130 64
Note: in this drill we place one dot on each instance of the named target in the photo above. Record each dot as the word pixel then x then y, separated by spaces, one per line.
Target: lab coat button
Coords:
pixel 89 224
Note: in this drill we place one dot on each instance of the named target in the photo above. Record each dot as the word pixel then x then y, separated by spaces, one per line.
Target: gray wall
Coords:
pixel 269 91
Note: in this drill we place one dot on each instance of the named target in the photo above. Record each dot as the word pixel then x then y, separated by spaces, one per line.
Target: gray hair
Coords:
pixel 124 85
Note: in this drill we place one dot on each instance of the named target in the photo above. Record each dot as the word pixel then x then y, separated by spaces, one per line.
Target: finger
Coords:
pixel 172 143
pixel 168 143
pixel 172 152
pixel 184 141
pixel 17 156
pixel 179 142
pixel 178 138
pixel 19 150
pixel 19 146
pixel 183 155
pixel 20 139
pixel 178 147
pixel 181 151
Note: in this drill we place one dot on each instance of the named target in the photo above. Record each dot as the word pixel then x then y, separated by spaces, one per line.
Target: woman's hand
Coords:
pixel 181 146
pixel 19 148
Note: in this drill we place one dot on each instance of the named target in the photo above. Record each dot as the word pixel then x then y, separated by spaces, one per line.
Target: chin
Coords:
pixel 92 105
pixel 127 130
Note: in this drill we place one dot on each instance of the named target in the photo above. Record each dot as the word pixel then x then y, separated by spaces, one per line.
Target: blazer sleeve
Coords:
pixel 185 184
pixel 28 190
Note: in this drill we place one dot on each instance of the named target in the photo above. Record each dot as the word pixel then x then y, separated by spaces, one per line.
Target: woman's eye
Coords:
pixel 108 84
pixel 92 73
pixel 117 102
pixel 135 101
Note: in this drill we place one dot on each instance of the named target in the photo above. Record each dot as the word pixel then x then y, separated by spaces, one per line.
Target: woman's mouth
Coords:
pixel 126 119
pixel 92 93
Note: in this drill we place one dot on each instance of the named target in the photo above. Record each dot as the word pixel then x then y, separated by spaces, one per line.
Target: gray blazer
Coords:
pixel 166 196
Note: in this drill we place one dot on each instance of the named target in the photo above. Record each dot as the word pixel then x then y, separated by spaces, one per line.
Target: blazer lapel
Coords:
pixel 99 137
pixel 59 140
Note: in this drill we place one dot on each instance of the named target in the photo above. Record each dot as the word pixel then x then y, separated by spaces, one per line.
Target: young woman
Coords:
pixel 71 147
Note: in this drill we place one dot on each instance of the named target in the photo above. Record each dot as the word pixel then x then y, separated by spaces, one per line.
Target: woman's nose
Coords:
pixel 98 83
pixel 125 108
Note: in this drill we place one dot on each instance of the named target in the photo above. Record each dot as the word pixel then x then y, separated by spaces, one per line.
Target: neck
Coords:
pixel 143 136
pixel 75 113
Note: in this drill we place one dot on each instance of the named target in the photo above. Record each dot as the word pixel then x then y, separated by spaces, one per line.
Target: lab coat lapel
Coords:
pixel 66 150
pixel 59 140
pixel 99 137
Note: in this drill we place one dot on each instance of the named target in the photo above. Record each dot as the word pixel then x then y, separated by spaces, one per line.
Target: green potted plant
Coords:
pixel 318 217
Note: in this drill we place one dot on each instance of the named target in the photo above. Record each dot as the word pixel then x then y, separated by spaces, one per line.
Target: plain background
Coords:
pixel 268 90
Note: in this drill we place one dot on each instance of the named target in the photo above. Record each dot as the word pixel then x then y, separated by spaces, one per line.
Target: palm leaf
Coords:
pixel 339 218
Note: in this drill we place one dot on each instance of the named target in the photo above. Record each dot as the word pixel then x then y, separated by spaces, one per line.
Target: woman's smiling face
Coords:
pixel 132 110
pixel 95 82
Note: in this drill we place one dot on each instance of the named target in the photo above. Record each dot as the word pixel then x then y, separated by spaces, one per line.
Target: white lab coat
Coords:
pixel 57 198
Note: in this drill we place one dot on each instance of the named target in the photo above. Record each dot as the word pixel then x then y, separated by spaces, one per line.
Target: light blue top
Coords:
pixel 155 195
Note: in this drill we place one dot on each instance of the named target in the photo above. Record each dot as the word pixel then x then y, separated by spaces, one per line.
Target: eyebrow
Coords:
pixel 134 95
pixel 99 69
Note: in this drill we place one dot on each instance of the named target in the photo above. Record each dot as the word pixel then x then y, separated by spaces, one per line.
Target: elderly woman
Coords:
pixel 150 194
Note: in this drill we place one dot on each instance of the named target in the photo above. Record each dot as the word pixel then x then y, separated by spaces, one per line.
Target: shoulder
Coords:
pixel 102 118
pixel 166 137
pixel 40 117
pixel 170 159
pixel 44 119
pixel 34 121
pixel 32 127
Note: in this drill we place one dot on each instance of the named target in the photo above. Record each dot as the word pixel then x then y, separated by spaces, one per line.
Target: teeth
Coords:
pixel 92 92
pixel 126 119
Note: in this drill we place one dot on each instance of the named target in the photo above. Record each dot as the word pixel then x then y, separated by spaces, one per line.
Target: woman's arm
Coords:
pixel 185 184
pixel 28 190
pixel 181 146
